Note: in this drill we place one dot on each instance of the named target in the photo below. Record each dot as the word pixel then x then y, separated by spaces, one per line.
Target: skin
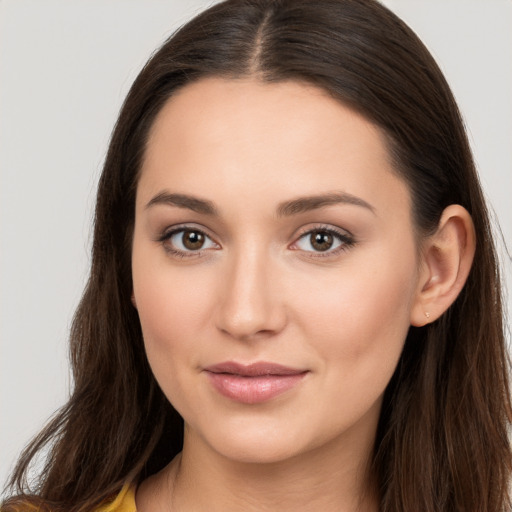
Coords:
pixel 258 290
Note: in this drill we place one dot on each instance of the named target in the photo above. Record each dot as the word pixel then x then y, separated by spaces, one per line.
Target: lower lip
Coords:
pixel 253 390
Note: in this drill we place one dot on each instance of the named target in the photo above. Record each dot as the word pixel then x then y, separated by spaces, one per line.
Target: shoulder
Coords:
pixel 123 502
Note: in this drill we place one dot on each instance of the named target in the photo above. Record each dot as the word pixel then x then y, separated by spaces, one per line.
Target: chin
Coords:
pixel 259 452
pixel 258 442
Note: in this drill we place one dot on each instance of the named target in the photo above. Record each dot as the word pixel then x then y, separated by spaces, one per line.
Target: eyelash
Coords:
pixel 346 239
pixel 167 235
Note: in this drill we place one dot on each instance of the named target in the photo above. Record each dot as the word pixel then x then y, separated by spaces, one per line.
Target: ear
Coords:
pixel 134 302
pixel 447 256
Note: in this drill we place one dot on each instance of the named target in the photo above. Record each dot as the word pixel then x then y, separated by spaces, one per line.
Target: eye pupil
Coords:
pixel 193 239
pixel 321 240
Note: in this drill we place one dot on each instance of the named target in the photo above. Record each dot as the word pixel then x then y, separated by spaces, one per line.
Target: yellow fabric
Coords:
pixel 124 501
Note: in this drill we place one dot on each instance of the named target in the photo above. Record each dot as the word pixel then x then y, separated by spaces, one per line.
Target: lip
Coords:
pixel 254 383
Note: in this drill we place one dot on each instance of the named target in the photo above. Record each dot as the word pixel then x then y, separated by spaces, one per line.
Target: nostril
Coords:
pixel 250 319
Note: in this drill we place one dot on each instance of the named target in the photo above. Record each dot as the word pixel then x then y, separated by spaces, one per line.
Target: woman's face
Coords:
pixel 274 267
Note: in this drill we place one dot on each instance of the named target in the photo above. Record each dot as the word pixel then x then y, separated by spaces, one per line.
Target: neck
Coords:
pixel 331 478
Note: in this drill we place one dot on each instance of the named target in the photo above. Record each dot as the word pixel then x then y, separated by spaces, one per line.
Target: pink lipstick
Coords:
pixel 254 383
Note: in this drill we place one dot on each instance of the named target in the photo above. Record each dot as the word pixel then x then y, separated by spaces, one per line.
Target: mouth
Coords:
pixel 255 383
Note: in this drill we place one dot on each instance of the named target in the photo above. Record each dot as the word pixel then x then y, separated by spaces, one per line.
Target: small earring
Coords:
pixel 427 314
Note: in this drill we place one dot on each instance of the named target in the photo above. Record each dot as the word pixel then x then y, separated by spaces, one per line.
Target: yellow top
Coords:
pixel 124 501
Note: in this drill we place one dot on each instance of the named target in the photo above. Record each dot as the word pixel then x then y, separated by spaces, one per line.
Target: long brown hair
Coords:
pixel 442 442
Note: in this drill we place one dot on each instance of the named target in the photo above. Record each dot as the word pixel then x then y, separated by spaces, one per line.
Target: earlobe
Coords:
pixel 447 256
pixel 134 302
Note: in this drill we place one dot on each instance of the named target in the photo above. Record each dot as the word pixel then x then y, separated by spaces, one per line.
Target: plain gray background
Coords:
pixel 65 67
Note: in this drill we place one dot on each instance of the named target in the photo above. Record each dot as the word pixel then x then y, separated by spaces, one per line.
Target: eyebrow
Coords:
pixel 306 204
pixel 184 201
pixel 284 209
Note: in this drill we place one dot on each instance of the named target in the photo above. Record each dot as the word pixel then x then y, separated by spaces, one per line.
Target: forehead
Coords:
pixel 216 110
pixel 241 138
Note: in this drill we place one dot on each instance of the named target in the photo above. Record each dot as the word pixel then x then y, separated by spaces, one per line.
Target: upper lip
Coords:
pixel 258 369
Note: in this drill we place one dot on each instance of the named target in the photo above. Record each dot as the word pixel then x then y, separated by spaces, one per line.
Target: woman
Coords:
pixel 291 247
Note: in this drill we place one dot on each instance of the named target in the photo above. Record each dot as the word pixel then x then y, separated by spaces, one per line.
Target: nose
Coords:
pixel 250 302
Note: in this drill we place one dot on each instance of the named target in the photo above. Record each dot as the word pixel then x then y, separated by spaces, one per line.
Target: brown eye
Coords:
pixel 321 240
pixel 192 240
pixel 324 240
pixel 187 241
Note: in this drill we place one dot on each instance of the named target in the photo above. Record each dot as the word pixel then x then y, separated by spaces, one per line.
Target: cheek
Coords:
pixel 171 307
pixel 166 308
pixel 359 319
